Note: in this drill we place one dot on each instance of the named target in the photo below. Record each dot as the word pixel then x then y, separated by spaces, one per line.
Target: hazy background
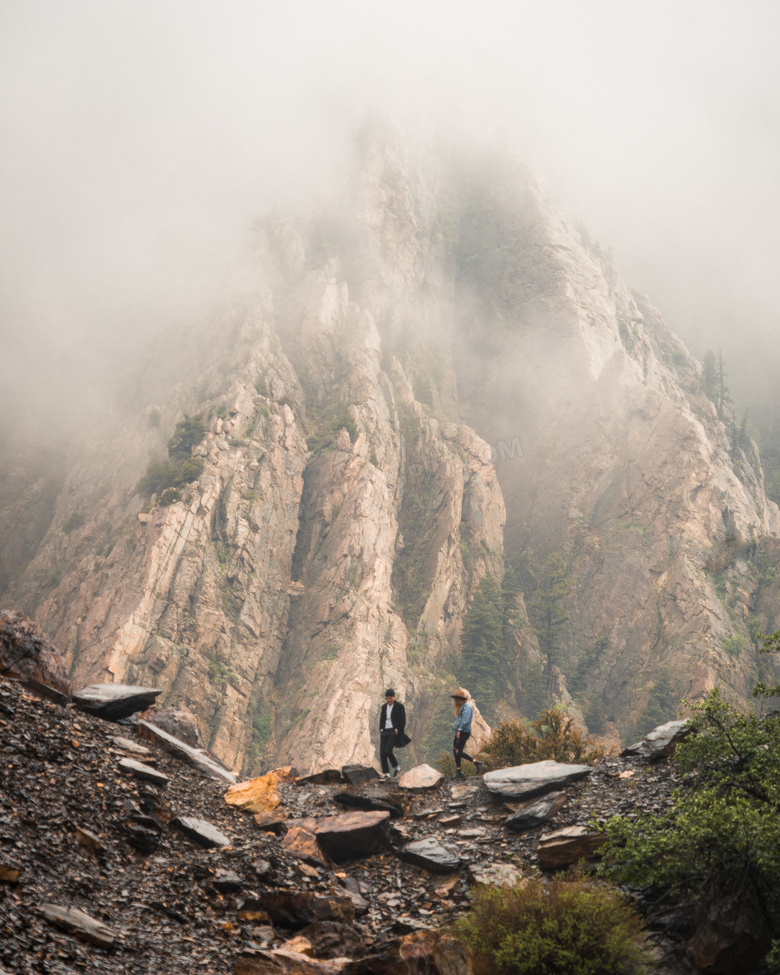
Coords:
pixel 141 138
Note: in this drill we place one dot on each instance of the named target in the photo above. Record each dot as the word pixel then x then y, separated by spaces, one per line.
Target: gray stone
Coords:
pixel 495 874
pixel 203 833
pixel 537 812
pixel 534 779
pixel 421 777
pixel 80 923
pixel 193 756
pixel 567 846
pixel 141 771
pixel 355 800
pixel 429 853
pixel 113 702
pixel 660 743
pixel 351 835
pixel 359 774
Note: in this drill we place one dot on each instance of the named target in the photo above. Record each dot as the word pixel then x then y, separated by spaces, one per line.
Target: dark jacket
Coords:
pixel 397 717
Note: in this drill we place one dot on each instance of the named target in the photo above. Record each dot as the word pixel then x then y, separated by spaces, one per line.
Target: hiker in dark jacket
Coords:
pixel 392 721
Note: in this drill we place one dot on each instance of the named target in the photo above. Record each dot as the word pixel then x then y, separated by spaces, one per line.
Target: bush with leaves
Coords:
pixel 721 838
pixel 181 468
pixel 547 928
pixel 551 736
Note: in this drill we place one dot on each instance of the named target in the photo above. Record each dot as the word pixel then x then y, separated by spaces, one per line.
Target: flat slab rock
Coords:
pixel 194 756
pixel 139 770
pixel 114 701
pixel 351 835
pixel 203 833
pixel 431 855
pixel 80 923
pixel 359 774
pixel 300 839
pixel 283 961
pixel 421 777
pixel 661 741
pixel 567 846
pixel 495 874
pixel 355 800
pixel 296 909
pixel 537 812
pixel 534 779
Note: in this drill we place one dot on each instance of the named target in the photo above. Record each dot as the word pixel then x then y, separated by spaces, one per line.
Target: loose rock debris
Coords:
pixel 98 873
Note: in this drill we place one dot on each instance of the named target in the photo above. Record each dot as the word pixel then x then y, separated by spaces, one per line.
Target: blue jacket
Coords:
pixel 463 718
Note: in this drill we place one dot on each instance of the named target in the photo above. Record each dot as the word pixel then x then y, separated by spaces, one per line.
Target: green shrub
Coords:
pixel 75 521
pixel 549 928
pixel 734 645
pixel 182 468
pixel 343 419
pixel 188 434
pixel 552 736
pixel 721 838
pixel 162 474
pixel 262 386
pixel 221 411
pixel 154 418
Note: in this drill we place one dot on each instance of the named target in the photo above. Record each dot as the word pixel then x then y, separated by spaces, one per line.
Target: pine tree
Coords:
pixel 710 375
pixel 548 612
pixel 482 644
pixel 663 703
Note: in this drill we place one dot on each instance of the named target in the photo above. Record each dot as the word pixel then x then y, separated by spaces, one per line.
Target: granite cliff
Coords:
pixel 435 377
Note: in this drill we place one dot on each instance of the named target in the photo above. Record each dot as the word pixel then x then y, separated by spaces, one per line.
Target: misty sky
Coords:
pixel 141 137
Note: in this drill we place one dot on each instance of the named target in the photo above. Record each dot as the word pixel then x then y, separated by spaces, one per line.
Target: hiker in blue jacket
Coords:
pixel 464 714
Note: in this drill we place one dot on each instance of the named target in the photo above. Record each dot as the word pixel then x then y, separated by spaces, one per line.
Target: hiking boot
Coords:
pixel 479 766
pixel 459 774
pixel 396 771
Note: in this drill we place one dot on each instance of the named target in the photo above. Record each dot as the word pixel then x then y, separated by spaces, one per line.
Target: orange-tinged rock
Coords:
pixel 301 840
pixel 258 795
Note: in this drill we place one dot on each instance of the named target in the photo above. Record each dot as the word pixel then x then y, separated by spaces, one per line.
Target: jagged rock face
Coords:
pixel 626 470
pixel 337 522
pixel 345 513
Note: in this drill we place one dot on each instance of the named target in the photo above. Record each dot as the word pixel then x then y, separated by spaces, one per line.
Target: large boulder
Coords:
pixel 536 812
pixel 351 835
pixel 534 779
pixel 112 702
pixel 660 743
pixel 731 938
pixel 27 654
pixel 297 908
pixel 431 855
pixel 567 846
pixel 421 777
pixel 259 795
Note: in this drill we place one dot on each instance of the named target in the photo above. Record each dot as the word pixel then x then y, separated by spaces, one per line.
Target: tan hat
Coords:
pixel 461 693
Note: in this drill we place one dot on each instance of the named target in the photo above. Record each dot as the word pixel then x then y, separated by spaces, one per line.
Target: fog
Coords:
pixel 141 139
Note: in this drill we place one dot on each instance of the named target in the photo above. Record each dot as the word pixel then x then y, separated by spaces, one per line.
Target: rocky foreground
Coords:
pixel 118 855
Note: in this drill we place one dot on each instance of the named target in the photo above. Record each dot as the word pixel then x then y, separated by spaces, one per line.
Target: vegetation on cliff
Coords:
pixel 720 843
pixel 180 467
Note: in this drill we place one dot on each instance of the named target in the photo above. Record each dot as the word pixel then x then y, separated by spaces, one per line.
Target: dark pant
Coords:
pixel 458 748
pixel 386 745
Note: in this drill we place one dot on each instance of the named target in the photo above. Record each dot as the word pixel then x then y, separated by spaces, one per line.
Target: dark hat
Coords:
pixel 461 694
pixel 389 692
